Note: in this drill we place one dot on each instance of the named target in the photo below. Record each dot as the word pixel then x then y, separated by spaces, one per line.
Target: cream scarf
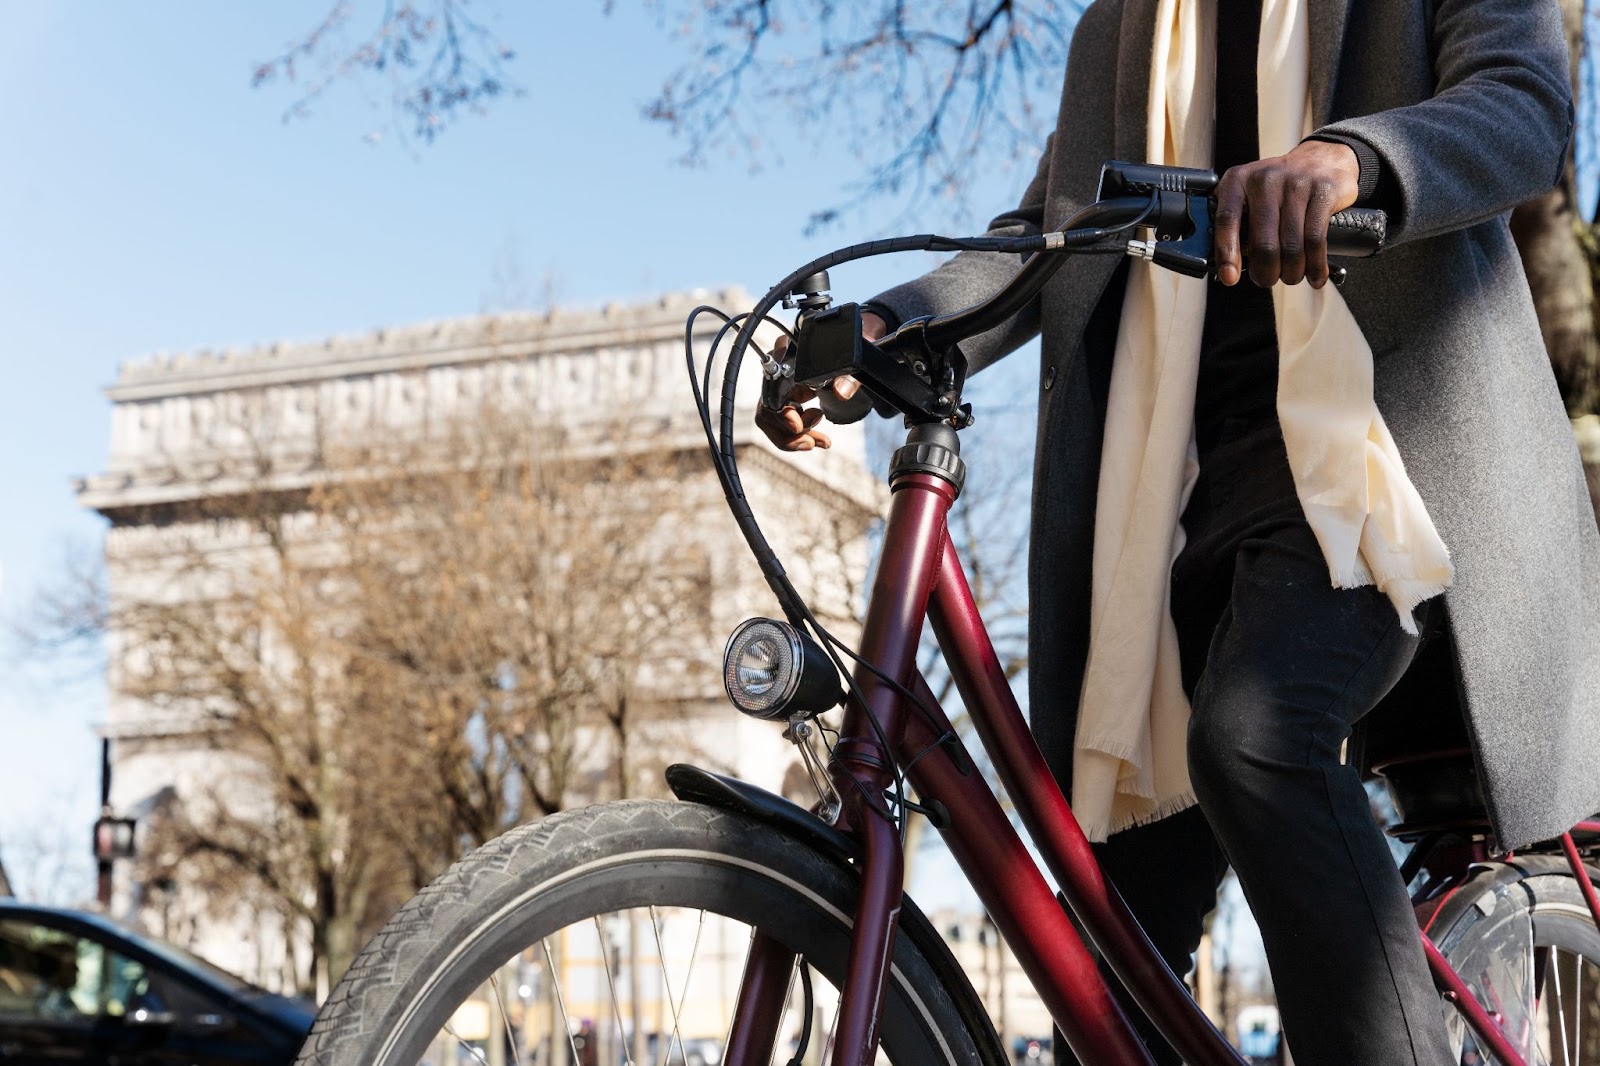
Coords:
pixel 1130 764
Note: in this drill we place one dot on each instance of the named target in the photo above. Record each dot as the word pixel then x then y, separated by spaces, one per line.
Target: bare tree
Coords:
pixel 396 653
pixel 514 601
pixel 949 82
pixel 239 657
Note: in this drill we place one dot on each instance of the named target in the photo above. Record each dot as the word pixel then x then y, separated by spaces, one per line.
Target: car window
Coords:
pixel 184 960
pixel 188 1006
pixel 49 974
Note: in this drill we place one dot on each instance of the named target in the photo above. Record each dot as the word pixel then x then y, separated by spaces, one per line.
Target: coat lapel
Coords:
pixel 1136 44
pixel 1327 44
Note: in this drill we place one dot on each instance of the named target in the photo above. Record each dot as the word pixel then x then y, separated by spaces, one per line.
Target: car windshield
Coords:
pixel 188 961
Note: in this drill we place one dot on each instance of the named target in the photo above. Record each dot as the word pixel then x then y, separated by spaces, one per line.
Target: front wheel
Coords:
pixel 618 934
pixel 1521 936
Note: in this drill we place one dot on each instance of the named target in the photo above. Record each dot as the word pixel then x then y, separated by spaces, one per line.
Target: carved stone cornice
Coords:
pixel 205 426
pixel 448 342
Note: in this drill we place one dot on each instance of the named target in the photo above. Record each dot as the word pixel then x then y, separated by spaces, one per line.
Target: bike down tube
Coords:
pixel 1019 900
pixel 1055 830
pixel 863 770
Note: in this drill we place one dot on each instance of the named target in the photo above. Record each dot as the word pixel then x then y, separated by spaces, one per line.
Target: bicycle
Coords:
pixel 816 896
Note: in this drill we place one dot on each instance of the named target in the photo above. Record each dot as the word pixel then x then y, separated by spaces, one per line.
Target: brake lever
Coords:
pixel 777 383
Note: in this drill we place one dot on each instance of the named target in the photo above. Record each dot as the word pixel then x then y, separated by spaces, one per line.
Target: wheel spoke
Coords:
pixel 474 1052
pixel 833 1029
pixel 675 1002
pixel 727 1034
pixel 611 982
pixel 561 1001
pixel 788 991
pixel 1561 1009
pixel 505 1017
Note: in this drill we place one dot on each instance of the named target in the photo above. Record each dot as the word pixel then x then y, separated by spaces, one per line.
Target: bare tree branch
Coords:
pixel 919 91
pixel 440 63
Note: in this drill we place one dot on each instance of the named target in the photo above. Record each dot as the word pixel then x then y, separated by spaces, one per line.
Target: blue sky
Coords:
pixel 151 200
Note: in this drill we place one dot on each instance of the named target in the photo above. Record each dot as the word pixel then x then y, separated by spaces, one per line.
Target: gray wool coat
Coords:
pixel 1467 104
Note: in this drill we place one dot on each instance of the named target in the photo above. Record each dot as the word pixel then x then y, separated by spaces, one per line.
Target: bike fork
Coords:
pixel 759 1010
pixel 924 479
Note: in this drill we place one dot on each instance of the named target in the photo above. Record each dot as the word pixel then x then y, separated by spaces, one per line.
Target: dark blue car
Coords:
pixel 77 988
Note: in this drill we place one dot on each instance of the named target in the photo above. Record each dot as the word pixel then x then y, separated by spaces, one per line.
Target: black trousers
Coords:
pixel 1278 665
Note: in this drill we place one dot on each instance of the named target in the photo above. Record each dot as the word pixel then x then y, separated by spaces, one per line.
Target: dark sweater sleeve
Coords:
pixel 1369 183
pixel 1495 132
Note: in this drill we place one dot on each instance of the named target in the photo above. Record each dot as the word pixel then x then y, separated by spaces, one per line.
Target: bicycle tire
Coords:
pixel 505 897
pixel 1485 930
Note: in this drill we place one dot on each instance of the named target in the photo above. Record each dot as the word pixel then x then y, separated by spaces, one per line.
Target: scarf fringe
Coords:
pixel 1115 747
pixel 1404 593
pixel 1098 832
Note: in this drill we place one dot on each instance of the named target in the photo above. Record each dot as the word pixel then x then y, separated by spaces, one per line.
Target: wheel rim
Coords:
pixel 1568 1009
pixel 599 962
pixel 1542 985
pixel 577 989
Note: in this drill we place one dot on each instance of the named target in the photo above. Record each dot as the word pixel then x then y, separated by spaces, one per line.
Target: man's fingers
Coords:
pixel 845 387
pixel 1264 192
pixel 1292 231
pixel 1225 232
pixel 793 429
pixel 784 428
pixel 811 416
pixel 773 423
pixel 1318 212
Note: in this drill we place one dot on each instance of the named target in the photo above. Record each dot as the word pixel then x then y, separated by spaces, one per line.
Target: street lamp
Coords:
pixel 113 838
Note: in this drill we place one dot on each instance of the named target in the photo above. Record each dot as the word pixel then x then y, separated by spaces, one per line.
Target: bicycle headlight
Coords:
pixel 773 671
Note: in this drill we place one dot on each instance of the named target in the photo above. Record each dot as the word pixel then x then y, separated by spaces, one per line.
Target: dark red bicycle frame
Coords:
pixel 920 579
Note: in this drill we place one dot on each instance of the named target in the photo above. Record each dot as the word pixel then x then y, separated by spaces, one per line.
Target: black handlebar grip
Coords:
pixel 1357 232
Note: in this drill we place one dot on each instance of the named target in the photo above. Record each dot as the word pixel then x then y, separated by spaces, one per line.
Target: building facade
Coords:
pixel 198 438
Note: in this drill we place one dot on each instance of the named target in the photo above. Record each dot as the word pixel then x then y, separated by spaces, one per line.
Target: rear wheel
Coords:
pixel 617 934
pixel 1522 937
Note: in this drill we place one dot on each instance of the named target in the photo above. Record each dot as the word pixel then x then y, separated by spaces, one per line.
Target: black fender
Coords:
pixel 692 784
pixel 695 785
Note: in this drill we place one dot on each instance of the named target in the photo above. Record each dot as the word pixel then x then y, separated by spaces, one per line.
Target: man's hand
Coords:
pixel 1285 203
pixel 794 428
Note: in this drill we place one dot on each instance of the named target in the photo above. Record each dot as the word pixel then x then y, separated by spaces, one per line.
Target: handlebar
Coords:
pixel 1177 201
pixel 919 369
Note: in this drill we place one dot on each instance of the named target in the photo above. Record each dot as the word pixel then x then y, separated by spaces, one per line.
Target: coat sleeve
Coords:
pixel 970 277
pixel 1496 130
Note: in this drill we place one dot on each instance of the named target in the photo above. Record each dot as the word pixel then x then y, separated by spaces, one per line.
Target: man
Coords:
pixel 1446 114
